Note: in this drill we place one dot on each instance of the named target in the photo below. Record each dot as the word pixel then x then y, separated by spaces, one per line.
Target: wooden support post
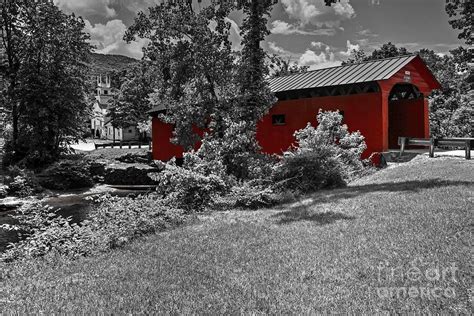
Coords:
pixel 139 145
pixel 468 149
pixel 120 144
pixel 432 147
pixel 129 145
pixel 402 144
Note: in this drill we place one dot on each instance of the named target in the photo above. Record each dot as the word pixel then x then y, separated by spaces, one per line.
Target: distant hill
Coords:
pixel 104 64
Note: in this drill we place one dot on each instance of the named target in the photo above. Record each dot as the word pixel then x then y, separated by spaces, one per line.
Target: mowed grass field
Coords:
pixel 399 240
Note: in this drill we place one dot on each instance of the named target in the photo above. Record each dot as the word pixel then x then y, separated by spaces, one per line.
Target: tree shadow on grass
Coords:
pixel 302 211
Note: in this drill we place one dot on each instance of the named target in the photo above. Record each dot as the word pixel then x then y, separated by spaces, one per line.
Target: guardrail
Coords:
pixel 466 143
pixel 121 145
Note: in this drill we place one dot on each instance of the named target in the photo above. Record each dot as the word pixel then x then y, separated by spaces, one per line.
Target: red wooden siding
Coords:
pixel 361 112
pixel 163 149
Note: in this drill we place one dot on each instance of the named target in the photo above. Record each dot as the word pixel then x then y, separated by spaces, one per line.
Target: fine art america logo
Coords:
pixel 416 281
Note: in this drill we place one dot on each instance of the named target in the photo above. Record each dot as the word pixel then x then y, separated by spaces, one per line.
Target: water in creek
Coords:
pixel 76 206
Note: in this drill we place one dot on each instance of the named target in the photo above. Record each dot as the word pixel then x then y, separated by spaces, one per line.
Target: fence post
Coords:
pixel 432 147
pixel 468 149
pixel 120 144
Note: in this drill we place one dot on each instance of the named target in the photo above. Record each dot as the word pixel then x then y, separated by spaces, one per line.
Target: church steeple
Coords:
pixel 103 87
pixel 104 90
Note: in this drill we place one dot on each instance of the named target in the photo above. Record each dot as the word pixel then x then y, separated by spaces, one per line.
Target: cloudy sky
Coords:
pixel 302 30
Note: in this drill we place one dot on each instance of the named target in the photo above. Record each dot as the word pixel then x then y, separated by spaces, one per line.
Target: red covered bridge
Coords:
pixel 384 99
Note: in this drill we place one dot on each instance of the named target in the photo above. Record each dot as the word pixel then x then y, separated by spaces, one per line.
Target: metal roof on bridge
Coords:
pixel 376 70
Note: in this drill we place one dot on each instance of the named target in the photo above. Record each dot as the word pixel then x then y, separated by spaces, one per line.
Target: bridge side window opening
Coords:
pixel 278 119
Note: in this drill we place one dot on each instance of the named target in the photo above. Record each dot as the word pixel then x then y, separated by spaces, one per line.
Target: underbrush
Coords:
pixel 112 222
pixel 67 174
pixel 21 182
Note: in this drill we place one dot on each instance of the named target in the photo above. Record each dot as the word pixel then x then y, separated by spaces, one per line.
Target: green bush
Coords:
pixel 251 195
pixel 43 231
pixel 117 220
pixel 326 156
pixel 112 222
pixel 21 182
pixel 188 189
pixel 67 174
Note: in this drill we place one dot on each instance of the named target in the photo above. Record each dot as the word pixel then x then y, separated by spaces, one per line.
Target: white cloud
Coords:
pixel 317 44
pixel 367 33
pixel 319 56
pixel 316 13
pixel 234 33
pixel 282 27
pixel 108 39
pixel 350 48
pixel 321 45
pixel 234 36
pixel 87 7
pixel 317 61
pixel 277 49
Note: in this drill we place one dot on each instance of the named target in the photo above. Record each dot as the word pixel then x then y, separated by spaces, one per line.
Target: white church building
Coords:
pixel 101 124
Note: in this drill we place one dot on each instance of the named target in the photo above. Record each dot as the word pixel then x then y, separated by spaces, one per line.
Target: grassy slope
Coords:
pixel 318 255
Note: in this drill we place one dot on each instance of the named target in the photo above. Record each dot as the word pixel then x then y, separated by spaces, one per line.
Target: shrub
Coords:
pixel 251 195
pixel 326 156
pixel 67 174
pixel 21 182
pixel 44 232
pixel 111 223
pixel 188 189
pixel 117 220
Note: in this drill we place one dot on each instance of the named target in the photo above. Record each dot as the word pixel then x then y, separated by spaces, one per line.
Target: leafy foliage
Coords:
pixel 281 67
pixel 21 182
pixel 254 195
pixel 46 53
pixel 112 65
pixel 387 50
pixel 131 105
pixel 192 62
pixel 111 223
pixel 462 14
pixel 67 174
pixel 189 189
pixel 326 156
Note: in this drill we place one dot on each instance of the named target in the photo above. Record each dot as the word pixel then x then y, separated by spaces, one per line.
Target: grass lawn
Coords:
pixel 333 251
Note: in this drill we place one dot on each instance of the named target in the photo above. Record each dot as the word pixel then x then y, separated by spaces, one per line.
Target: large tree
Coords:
pixel 46 52
pixel 190 53
pixel 131 105
pixel 461 12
